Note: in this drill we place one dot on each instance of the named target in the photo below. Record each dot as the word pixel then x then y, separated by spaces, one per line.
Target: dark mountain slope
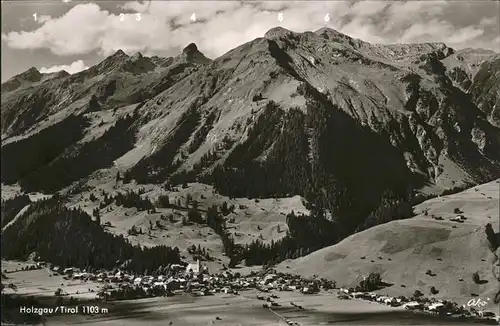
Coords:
pixel 81 159
pixel 22 157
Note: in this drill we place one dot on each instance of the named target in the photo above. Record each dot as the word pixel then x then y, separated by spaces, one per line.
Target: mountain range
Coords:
pixel 341 122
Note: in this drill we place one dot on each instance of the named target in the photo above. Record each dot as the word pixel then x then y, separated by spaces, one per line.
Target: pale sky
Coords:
pixel 76 34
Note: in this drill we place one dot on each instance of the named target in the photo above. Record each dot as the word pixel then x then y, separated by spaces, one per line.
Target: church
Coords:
pixel 195 267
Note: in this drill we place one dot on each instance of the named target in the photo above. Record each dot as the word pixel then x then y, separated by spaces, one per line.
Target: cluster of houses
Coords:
pixel 421 304
pixel 203 283
pixel 196 280
pixel 29 267
pixel 457 219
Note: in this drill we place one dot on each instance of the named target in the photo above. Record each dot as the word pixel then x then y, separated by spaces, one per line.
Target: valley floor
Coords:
pixel 245 310
pixel 221 309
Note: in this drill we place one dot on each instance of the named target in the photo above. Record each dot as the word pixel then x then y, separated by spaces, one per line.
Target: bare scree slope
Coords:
pixel 349 126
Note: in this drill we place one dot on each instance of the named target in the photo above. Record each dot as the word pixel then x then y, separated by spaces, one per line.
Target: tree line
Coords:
pixel 305 234
pixel 11 207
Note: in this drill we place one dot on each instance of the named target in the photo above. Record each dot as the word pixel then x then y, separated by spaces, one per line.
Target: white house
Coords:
pixel 193 267
pixel 68 270
pixel 412 305
pixel 388 300
pixel 436 306
pixel 80 275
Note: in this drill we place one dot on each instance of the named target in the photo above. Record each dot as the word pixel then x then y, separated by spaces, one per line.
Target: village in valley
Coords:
pixel 266 285
pixel 281 291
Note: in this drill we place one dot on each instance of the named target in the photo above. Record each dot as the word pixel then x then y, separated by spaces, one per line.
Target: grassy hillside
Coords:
pixel 402 251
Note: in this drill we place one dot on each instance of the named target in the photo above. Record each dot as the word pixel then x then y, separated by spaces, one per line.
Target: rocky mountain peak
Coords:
pixel 112 62
pixel 31 74
pixel 192 54
pixel 190 48
pixel 119 54
pixel 55 75
pixel 277 32
pixel 62 73
pixel 136 56
pixel 331 33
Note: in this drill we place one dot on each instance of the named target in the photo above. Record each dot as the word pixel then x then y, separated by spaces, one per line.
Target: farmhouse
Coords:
pixel 68 270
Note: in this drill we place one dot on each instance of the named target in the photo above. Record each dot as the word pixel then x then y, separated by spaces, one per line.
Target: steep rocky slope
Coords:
pixel 485 89
pixel 33 99
pixel 337 120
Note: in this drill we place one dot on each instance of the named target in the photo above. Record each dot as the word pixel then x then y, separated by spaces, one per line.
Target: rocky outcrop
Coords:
pixel 192 54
